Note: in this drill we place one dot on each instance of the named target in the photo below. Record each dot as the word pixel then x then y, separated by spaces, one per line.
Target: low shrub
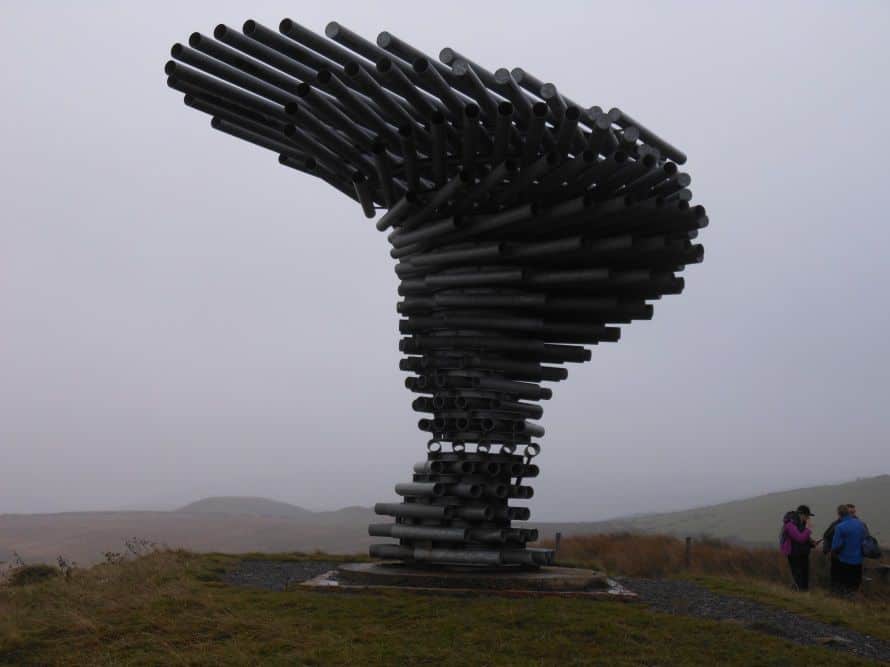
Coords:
pixel 32 574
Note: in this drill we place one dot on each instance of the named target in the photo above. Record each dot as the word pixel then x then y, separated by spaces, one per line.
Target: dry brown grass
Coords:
pixel 660 556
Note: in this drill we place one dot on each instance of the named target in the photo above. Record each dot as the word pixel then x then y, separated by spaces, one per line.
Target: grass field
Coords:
pixel 171 608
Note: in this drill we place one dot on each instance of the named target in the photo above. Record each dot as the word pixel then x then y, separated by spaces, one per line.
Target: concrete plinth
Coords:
pixel 559 581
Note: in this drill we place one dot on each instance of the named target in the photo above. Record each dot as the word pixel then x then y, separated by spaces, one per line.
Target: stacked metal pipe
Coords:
pixel 524 226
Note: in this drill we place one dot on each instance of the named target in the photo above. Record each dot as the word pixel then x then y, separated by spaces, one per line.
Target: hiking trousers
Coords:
pixel 849 576
pixel 800 571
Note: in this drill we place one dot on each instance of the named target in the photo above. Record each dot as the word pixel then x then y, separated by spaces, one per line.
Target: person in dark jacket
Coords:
pixel 797 543
pixel 827 538
pixel 847 546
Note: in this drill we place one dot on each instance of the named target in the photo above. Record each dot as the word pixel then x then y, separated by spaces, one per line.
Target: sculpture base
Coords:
pixel 468 580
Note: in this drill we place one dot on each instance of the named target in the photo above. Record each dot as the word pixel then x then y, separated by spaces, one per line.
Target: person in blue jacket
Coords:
pixel 846 546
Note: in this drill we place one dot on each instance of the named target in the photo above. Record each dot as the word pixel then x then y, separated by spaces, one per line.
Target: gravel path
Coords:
pixel 276 575
pixel 690 599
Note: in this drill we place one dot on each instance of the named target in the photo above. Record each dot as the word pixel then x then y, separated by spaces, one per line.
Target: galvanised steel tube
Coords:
pixel 629 172
pixel 270 61
pixel 408 53
pixel 320 106
pixel 331 51
pixel 469 136
pixel 534 85
pixel 414 511
pixel 187 80
pixel 329 178
pixel 237 60
pixel 624 120
pixel 483 252
pixel 429 467
pixel 369 85
pixel 554 101
pixel 205 101
pixel 673 184
pixel 520 557
pixel 485 513
pixel 573 353
pixel 524 390
pixel 535 132
pixel 363 192
pixel 231 75
pixel 330 161
pixel 420 489
pixel 457 556
pixel 503 125
pixel 490 535
pixel 439 148
pixel 461 467
pixel 354 42
pixel 567 129
pixel 453 103
pixel 391 552
pixel 260 139
pixel 310 57
pixel 409 155
pixel 532 371
pixel 464 490
pixel 401 531
pixel 521 103
pixel 458 182
pixel 524 409
pixel 303 63
pixel 465 73
pixel 527 175
pixel 451 57
pixel 601 137
pixel 430 230
pixel 392 74
pixel 329 81
pixel 383 169
pixel 494 178
pixel 403 208
pixel 232 114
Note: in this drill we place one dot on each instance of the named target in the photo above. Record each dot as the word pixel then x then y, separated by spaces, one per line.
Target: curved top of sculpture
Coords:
pixel 525 225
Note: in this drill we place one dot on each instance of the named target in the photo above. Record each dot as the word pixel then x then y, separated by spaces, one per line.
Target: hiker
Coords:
pixel 827 538
pixel 846 546
pixel 796 544
pixel 852 509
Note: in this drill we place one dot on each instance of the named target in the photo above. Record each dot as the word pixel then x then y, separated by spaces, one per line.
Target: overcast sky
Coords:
pixel 180 316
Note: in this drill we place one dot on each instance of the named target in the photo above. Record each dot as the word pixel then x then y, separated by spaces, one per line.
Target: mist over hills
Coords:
pixel 757 520
pixel 242 524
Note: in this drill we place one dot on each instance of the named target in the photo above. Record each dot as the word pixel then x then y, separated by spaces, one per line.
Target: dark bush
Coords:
pixel 32 574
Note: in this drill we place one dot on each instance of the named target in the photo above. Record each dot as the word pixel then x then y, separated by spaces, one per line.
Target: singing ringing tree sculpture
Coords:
pixel 524 226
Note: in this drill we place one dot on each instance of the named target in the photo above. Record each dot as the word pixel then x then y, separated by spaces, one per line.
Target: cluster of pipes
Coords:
pixel 524 226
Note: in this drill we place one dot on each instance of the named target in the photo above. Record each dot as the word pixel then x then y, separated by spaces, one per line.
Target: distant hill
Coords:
pixel 239 505
pixel 237 524
pixel 755 520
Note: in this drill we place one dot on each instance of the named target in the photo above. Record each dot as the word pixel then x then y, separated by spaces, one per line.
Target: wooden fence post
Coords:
pixel 556 543
pixel 688 557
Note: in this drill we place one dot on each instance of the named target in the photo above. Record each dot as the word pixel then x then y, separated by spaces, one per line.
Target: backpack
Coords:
pixel 870 547
pixel 789 516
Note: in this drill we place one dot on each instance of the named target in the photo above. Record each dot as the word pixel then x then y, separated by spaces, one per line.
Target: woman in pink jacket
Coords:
pixel 796 544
